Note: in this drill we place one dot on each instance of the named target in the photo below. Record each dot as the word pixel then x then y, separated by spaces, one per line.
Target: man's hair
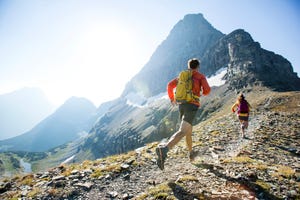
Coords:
pixel 193 63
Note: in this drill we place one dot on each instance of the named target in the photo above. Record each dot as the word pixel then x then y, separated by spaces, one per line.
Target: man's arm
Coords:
pixel 170 88
pixel 205 86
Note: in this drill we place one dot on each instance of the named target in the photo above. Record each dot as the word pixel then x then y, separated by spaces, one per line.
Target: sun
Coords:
pixel 103 59
pixel 105 43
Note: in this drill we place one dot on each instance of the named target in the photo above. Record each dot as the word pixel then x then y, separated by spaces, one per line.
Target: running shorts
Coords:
pixel 244 116
pixel 188 112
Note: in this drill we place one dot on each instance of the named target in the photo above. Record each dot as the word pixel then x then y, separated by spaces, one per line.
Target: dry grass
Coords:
pixel 13 195
pixel 97 173
pixel 287 101
pixel 284 171
pixel 187 178
pixel 102 166
pixel 54 192
pixel 160 191
pixel 263 184
pixel 258 166
pixel 33 193
pixel 27 180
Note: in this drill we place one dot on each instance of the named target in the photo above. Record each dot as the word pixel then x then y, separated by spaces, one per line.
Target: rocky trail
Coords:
pixel 266 165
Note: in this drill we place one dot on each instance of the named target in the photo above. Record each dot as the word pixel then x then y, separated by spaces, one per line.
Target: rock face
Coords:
pixel 250 64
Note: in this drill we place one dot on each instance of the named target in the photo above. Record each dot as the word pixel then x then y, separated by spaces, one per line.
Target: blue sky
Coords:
pixel 78 47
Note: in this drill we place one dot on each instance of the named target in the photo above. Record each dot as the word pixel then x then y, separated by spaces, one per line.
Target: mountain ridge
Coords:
pixel 27 106
pixel 74 116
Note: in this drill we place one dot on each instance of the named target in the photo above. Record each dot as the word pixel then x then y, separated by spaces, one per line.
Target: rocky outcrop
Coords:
pixel 249 64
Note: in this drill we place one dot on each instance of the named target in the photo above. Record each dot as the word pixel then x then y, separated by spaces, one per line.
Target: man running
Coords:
pixel 187 112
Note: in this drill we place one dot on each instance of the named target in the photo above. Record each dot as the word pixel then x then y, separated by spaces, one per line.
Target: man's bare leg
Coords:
pixel 184 130
pixel 188 137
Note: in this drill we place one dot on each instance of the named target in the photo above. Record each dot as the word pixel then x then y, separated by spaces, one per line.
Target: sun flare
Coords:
pixel 101 64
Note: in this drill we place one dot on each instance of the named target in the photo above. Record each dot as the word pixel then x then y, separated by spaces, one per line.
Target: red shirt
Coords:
pixel 199 84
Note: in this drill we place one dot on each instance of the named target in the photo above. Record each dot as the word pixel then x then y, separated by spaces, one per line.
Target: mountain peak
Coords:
pixel 240 35
pixel 195 19
pixel 78 101
pixel 190 37
pixel 191 27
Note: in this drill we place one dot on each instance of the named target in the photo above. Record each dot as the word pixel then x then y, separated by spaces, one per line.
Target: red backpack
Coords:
pixel 243 107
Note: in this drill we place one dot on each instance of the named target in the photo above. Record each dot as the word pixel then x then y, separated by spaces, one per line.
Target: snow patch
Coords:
pixel 68 160
pixel 158 97
pixel 135 99
pixel 140 101
pixel 216 79
pixel 82 134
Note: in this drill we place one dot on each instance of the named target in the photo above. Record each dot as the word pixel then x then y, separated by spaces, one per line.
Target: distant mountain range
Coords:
pixel 70 121
pixel 21 110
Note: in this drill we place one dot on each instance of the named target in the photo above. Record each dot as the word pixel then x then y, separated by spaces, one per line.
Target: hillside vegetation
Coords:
pixel 264 166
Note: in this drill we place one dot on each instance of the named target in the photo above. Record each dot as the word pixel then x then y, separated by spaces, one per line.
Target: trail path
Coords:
pixel 203 178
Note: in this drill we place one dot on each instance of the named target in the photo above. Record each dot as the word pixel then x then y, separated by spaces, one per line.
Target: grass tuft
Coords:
pixel 27 180
pixel 263 185
pixel 160 191
pixel 187 178
pixel 284 171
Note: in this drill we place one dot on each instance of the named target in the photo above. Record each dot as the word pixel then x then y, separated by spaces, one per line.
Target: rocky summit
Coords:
pixel 264 165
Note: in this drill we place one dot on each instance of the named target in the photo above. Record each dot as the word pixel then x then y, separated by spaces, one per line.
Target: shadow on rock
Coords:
pixel 248 181
pixel 180 193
